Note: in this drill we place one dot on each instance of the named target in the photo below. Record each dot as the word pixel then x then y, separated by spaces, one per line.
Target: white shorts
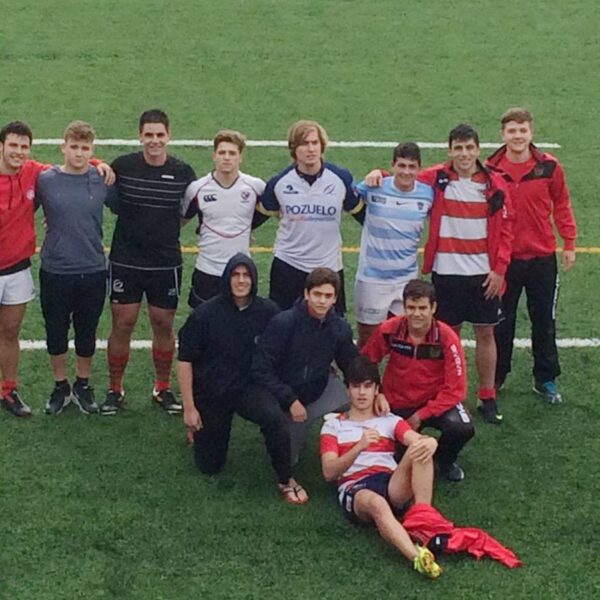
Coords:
pixel 374 301
pixel 16 288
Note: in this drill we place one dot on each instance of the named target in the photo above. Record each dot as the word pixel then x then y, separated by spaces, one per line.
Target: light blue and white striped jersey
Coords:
pixel 391 231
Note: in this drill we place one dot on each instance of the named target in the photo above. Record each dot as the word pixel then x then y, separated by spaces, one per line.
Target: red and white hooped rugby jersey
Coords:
pixel 463 245
pixel 340 434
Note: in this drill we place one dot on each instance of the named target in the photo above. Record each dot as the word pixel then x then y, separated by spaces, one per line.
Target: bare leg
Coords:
pixel 11 317
pixel 58 364
pixel 411 479
pixel 485 355
pixel 371 507
pixel 83 366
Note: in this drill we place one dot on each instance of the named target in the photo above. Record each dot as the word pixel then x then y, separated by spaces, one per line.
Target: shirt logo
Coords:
pixel 329 189
pixel 289 189
pixel 164 176
pixel 30 193
pixel 378 199
pixel 420 205
pixel 210 198
pixel 245 195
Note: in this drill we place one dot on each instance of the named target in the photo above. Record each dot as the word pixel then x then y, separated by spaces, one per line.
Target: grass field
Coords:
pixel 114 508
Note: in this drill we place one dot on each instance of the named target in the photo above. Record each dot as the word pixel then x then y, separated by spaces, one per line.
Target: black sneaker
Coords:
pixel 451 472
pixel 166 399
pixel 112 403
pixel 60 397
pixel 83 397
pixel 488 409
pixel 14 405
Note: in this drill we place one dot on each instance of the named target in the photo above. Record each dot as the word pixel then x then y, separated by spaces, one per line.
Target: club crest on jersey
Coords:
pixel 30 193
pixel 420 205
pixel 289 189
pixel 245 196
pixel 210 198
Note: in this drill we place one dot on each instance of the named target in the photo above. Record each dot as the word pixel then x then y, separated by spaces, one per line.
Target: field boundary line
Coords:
pixel 277 143
pixel 519 343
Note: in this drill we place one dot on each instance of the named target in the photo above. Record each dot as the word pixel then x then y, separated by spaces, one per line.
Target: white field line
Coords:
pixel 519 343
pixel 276 143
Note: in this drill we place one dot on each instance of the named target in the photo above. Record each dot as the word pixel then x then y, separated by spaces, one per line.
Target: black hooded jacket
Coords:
pixel 294 355
pixel 219 339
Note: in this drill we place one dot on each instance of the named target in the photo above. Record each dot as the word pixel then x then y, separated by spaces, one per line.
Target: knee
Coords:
pixel 459 430
pixel 124 325
pixel 162 324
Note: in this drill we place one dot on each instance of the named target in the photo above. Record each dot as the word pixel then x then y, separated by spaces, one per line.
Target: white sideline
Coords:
pixel 276 143
pixel 519 343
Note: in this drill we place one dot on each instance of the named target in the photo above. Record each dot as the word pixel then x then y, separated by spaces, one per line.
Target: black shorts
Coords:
pixel 79 298
pixel 460 298
pixel 287 285
pixel 128 286
pixel 378 483
pixel 204 287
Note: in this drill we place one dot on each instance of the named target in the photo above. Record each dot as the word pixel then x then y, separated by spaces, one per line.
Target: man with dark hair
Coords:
pixel 357 451
pixel 541 198
pixel 396 209
pixel 145 256
pixel 225 200
pixel 425 379
pixel 294 356
pixel 216 345
pixel 309 197
pixel 468 251
pixel 17 244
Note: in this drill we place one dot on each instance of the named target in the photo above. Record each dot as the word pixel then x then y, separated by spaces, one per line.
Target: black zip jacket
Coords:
pixel 219 339
pixel 295 352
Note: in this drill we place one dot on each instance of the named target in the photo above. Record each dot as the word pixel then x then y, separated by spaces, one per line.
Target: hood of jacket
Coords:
pixel 235 261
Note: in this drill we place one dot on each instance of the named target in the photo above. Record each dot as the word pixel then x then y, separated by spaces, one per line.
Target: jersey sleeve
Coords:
pixel 191 338
pixel 268 204
pixel 189 204
pixel 562 211
pixel 400 429
pixel 376 347
pixel 328 440
pixel 361 190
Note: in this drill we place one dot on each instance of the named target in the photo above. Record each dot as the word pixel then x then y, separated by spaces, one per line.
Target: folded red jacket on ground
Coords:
pixel 423 523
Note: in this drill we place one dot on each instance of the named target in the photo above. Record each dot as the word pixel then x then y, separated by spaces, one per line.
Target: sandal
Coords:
pixel 293 493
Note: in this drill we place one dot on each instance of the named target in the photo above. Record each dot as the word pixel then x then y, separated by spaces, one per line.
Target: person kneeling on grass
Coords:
pixel 216 345
pixel 357 451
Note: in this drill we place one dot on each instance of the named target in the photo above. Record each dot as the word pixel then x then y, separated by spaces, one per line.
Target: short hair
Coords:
pixel 154 115
pixel 322 276
pixel 463 133
pixel 518 114
pixel 80 131
pixel 408 150
pixel 300 129
pixel 361 369
pixel 417 288
pixel 231 136
pixel 17 128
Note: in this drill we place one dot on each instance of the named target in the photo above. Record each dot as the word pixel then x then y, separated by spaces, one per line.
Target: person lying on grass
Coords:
pixel 357 451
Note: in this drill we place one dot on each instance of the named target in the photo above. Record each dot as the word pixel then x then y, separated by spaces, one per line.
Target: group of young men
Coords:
pixel 270 360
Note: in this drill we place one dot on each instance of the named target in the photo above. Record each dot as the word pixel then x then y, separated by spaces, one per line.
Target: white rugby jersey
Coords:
pixel 391 231
pixel 462 244
pixel 226 218
pixel 339 435
pixel 308 235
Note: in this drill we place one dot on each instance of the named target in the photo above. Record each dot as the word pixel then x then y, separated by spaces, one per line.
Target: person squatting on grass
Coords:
pixel 225 200
pixel 216 345
pixel 425 379
pixel 145 257
pixel 294 355
pixel 541 198
pixel 357 452
pixel 309 197
pixel 18 177
pixel 73 265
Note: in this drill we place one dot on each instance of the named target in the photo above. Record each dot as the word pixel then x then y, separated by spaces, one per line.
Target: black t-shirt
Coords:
pixel 149 208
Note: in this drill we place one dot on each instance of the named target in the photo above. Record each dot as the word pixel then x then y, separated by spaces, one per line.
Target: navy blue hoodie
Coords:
pixel 295 352
pixel 219 339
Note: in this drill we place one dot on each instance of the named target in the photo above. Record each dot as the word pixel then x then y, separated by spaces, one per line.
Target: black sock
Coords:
pixel 82 380
pixel 61 383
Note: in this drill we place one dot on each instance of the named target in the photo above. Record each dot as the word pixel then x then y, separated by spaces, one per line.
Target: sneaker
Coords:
pixel 548 392
pixel 425 564
pixel 488 409
pixel 112 403
pixel 83 397
pixel 166 399
pixel 451 472
pixel 60 398
pixel 13 404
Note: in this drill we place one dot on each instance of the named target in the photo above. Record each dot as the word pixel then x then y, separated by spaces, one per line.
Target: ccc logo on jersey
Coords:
pixel 210 198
